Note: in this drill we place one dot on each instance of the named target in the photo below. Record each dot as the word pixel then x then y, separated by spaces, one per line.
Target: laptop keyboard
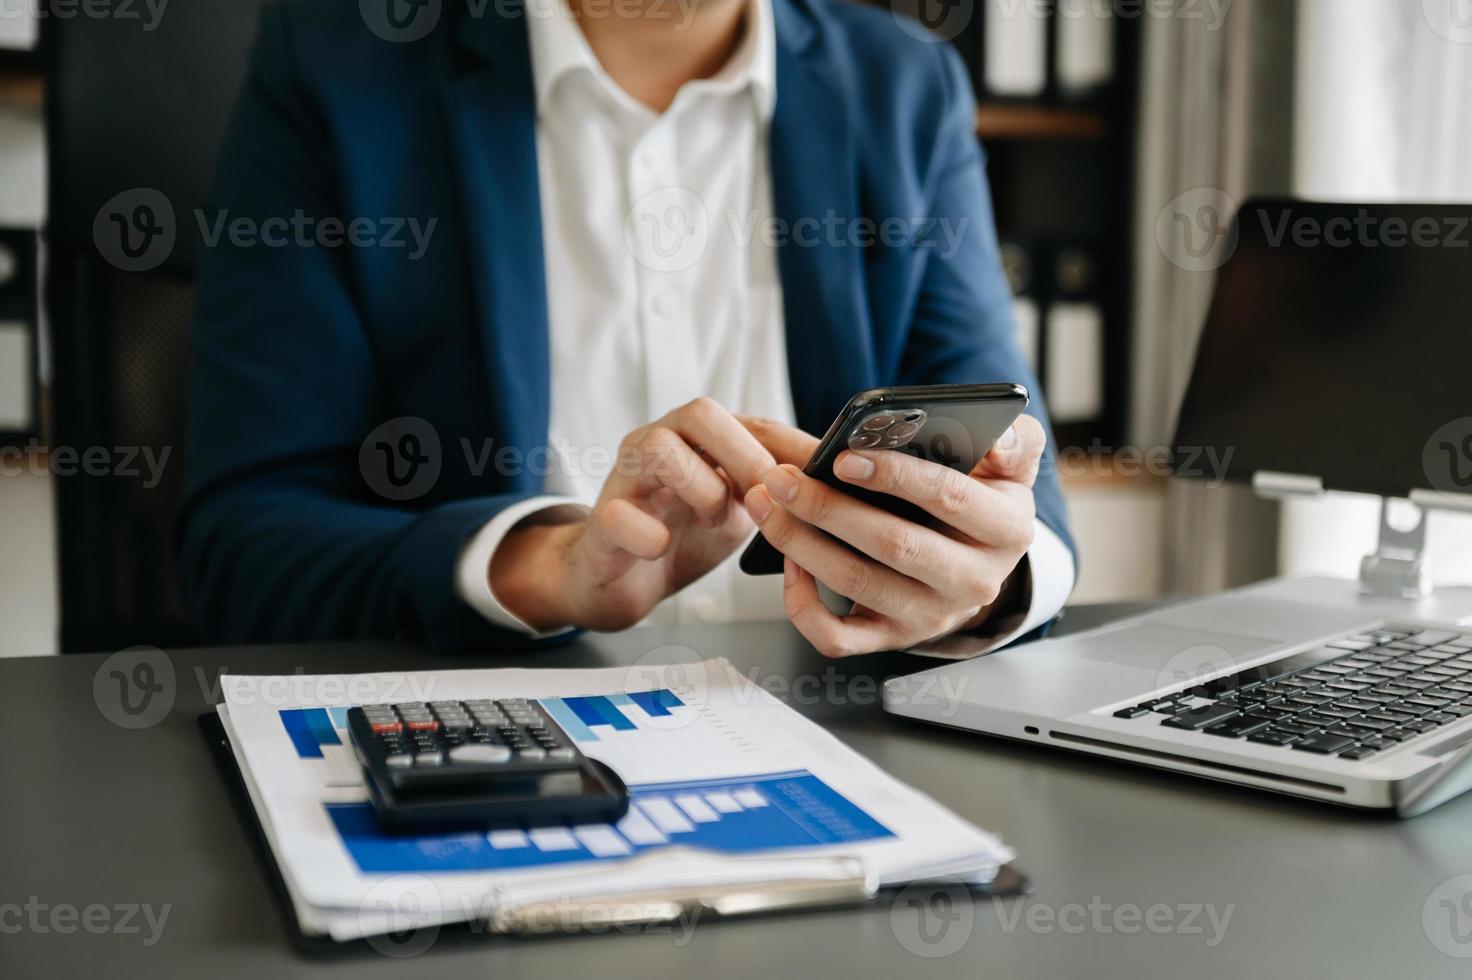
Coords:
pixel 1356 696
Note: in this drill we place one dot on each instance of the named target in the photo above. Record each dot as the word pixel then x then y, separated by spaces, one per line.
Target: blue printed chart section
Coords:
pixel 582 718
pixel 739 815
pixel 310 729
pixel 320 737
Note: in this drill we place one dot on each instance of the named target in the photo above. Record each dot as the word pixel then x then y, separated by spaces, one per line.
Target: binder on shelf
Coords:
pixel 1074 339
pixel 1084 47
pixel 1015 49
pixel 1017 263
pixel 17 332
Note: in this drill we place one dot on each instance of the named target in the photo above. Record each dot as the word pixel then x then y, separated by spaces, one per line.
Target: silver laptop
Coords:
pixel 1275 687
pixel 1321 367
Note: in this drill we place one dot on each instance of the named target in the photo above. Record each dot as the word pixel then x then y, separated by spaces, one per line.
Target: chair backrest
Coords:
pixel 135 110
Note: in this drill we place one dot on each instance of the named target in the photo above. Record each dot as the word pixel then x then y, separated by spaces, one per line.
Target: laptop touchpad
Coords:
pixel 1172 653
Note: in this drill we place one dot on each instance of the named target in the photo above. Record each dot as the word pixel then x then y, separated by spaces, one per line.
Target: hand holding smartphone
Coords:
pixel 953 425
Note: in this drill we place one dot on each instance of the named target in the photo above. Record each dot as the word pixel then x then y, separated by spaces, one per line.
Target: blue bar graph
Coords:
pixel 580 716
pixel 309 729
pixel 735 815
pixel 656 703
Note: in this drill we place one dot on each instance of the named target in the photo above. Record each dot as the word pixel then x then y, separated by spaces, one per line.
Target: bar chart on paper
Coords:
pixel 772 811
pixel 666 723
pixel 641 735
pixel 320 738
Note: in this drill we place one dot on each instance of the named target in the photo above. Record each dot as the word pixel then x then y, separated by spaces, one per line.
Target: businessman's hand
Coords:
pixel 670 512
pixel 911 583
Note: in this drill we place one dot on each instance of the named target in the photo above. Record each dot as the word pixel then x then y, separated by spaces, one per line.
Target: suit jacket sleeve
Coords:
pixel 963 328
pixel 279 538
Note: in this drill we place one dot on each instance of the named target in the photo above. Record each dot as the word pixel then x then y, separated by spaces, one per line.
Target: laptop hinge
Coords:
pixel 1398 568
pixel 1274 485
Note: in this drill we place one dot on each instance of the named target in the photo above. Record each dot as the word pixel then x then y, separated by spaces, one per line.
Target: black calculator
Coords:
pixel 483 764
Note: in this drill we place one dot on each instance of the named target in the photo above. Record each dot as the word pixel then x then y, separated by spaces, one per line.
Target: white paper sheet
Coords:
pixel 713 762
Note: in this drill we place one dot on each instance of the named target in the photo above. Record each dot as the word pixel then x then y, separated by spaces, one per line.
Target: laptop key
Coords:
pixel 1357 753
pixel 1264 673
pixel 1238 727
pixel 1273 736
pixel 1205 716
pixel 1323 743
pixel 1137 711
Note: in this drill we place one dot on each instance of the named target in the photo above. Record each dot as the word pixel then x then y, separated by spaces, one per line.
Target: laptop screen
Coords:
pixel 1339 345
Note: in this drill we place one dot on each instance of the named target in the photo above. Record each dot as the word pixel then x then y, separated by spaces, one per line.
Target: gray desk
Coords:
pixel 94 814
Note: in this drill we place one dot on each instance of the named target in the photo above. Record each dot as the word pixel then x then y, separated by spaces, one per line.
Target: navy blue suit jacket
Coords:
pixel 300 350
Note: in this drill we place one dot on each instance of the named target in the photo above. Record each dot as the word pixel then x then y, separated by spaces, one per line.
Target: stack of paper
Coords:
pixel 713 763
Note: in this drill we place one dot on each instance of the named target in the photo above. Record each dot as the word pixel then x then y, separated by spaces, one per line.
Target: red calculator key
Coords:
pixel 387 727
pixel 423 725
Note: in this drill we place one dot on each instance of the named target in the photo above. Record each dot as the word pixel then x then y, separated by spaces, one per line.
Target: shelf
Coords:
pixel 21 88
pixel 1004 121
pixel 1083 472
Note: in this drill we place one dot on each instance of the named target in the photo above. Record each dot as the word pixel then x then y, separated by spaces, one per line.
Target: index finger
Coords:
pixel 708 427
pixel 787 443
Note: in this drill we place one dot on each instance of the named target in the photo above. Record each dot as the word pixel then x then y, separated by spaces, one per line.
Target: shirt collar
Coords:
pixel 559 48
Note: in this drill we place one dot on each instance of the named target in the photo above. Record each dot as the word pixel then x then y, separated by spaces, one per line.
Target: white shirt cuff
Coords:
pixel 1051 566
pixel 473 568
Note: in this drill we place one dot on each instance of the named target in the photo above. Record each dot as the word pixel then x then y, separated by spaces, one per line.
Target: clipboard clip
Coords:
pixel 823 883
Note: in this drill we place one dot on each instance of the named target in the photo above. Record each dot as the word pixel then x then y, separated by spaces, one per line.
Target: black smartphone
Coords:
pixel 954 425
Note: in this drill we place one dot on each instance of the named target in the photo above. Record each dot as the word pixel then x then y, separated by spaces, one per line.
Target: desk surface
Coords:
pixel 96 815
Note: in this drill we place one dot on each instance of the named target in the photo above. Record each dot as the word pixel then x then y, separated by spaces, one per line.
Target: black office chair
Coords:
pixel 127 108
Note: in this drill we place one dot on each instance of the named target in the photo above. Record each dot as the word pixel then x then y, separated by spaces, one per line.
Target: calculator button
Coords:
pixel 532 755
pixel 422 724
pixel 561 755
pixel 387 727
pixel 399 760
pixel 480 753
pixel 433 757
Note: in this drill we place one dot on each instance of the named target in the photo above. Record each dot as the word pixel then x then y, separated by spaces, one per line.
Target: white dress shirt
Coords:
pixel 658 293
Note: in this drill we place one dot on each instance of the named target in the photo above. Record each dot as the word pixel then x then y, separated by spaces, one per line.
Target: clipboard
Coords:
pixel 851 885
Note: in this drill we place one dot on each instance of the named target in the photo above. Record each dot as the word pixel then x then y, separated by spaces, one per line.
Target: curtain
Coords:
pixel 1216 128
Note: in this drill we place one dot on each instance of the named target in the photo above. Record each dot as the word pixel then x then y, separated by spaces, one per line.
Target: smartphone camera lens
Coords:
pixel 902 433
pixel 877 423
pixel 864 440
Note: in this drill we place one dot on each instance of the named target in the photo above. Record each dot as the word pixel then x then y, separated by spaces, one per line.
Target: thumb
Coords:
pixel 1017 453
